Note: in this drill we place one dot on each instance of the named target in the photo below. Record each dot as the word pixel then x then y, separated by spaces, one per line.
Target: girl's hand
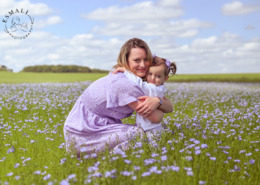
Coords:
pixel 148 105
pixel 119 69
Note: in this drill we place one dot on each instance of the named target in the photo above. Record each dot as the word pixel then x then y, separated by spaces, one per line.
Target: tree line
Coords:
pixel 61 69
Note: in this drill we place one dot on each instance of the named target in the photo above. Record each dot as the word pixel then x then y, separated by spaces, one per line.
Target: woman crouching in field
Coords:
pixel 94 123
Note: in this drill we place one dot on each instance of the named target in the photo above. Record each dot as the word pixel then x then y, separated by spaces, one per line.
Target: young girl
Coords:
pixel 157 74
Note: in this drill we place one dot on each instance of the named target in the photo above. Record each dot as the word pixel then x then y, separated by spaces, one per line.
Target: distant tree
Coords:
pixel 61 69
pixel 98 71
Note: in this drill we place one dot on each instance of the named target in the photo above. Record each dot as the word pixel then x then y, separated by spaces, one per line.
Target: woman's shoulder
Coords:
pixel 119 78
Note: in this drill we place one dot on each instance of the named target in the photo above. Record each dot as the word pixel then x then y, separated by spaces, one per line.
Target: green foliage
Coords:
pixel 61 69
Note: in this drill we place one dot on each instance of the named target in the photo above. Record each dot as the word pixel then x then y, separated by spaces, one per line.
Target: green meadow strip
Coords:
pixel 27 77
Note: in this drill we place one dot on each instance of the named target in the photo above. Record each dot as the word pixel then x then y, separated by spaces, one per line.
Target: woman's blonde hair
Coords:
pixel 125 51
pixel 157 61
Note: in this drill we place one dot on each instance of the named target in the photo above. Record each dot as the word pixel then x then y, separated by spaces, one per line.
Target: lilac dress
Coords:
pixel 94 122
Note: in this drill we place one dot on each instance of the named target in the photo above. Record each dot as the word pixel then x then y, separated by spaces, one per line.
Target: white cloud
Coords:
pixel 238 8
pixel 224 53
pixel 146 10
pixel 53 56
pixel 227 53
pixel 182 28
pixel 169 2
pixel 33 8
pixel 146 19
pixel 50 21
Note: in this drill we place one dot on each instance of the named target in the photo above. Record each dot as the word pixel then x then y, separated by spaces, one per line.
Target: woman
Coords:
pixel 94 122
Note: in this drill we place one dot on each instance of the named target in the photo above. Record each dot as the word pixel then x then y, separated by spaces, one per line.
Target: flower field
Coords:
pixel 211 137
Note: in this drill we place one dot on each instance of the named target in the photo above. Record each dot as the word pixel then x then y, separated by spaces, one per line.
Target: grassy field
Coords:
pixel 212 137
pixel 7 77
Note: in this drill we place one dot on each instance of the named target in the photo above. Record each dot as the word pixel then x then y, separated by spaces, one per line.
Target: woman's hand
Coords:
pixel 148 105
pixel 119 69
pixel 155 117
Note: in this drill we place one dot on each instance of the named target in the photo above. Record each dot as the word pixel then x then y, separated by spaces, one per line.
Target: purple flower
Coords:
pixel 137 168
pixel 149 161
pixel 138 145
pixel 63 161
pixel 97 164
pixel 108 174
pixel 71 176
pixel 38 172
pixel 126 173
pixel 204 146
pixel 187 168
pixel 158 171
pixel 47 177
pixel 153 169
pixel 94 155
pixel 188 158
pixel 197 152
pixel 97 174
pixel 92 169
pixel 16 165
pixel 164 158
pixel 175 168
pixel 196 142
pixel 213 158
pixel 154 155
pixel 237 168
pixel 189 173
pixel 10 174
pixel 64 182
pixel 237 160
pixel 146 174
pixel 127 161
pixel 11 150
pixel 202 182
pixel 251 161
pixel 134 177
pixel 248 154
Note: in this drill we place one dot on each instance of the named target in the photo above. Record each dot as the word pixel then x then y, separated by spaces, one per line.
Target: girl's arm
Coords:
pixel 155 117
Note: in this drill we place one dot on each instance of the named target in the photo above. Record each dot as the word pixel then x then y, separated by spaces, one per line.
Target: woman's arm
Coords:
pixel 150 104
pixel 155 117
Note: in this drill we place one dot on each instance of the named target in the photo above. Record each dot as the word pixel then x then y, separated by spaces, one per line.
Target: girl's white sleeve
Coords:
pixel 148 89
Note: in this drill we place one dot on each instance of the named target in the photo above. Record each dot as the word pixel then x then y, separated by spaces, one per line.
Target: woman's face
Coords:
pixel 138 62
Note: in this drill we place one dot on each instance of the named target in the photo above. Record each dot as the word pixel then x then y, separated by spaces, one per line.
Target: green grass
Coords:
pixel 224 116
pixel 26 77
pixel 243 77
pixel 23 77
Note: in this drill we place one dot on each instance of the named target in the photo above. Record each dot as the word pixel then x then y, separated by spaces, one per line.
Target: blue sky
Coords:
pixel 200 36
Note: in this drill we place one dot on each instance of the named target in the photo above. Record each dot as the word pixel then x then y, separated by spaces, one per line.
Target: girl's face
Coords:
pixel 156 75
pixel 138 62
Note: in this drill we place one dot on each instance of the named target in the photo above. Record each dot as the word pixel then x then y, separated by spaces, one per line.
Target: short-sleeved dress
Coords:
pixel 94 122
